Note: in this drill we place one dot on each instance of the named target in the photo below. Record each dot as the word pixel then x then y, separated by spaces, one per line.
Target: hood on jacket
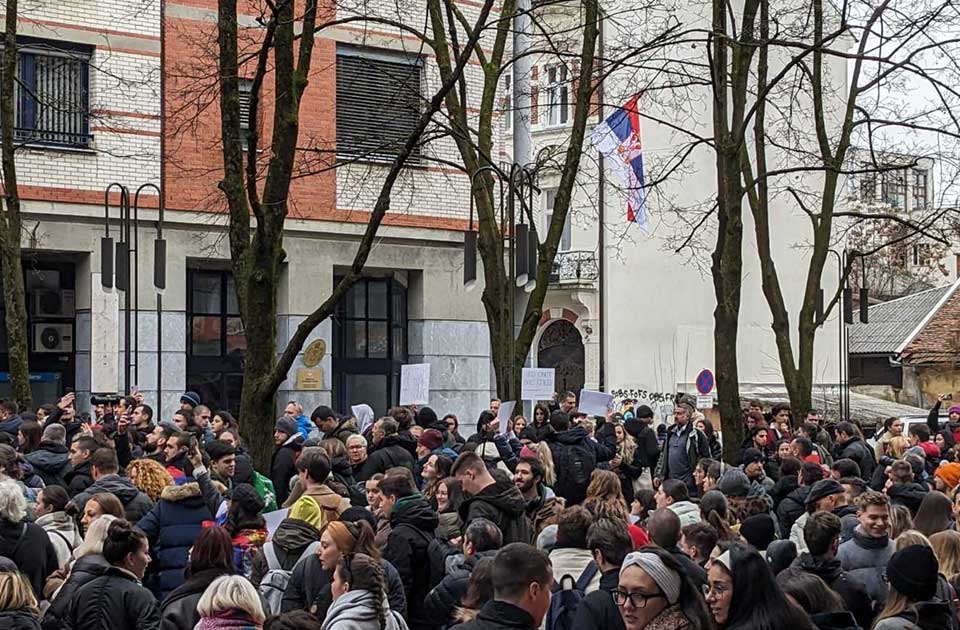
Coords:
pixel 355 609
pixel 21 619
pixel 350 424
pixel 50 457
pixel 11 425
pixel 827 570
pixel 120 487
pixel 457 561
pixel 572 436
pixel 503 495
pixel 687 511
pixel 340 466
pixel 364 415
pixel 327 498
pixel 294 535
pixel 176 493
pixel 414 510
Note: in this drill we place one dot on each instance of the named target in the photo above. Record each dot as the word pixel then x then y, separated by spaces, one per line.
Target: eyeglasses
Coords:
pixel 718 590
pixel 637 600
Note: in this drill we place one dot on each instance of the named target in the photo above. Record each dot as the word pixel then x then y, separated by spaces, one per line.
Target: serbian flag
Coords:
pixel 618 140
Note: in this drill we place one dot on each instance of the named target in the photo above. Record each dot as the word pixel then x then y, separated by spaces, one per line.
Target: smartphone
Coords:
pixel 948 396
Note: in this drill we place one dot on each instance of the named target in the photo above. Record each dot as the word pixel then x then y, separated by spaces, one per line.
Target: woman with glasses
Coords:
pixel 742 593
pixel 655 593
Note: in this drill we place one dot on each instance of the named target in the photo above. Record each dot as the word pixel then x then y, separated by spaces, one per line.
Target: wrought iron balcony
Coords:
pixel 574 267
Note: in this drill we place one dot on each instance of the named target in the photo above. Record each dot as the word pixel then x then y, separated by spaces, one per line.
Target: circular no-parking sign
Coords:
pixel 705 382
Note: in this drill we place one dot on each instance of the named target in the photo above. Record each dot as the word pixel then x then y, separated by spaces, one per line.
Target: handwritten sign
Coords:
pixel 595 403
pixel 273 520
pixel 537 384
pixel 415 384
pixel 504 413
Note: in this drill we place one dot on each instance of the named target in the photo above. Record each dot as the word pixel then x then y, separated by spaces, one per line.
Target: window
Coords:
pixel 52 93
pixel 551 195
pixel 921 254
pixel 216 341
pixel 919 190
pixel 868 187
pixel 378 102
pixel 894 188
pixel 506 101
pixel 246 89
pixel 557 95
pixel 369 343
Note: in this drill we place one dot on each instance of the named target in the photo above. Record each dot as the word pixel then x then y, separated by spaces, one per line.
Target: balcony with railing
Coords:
pixel 575 268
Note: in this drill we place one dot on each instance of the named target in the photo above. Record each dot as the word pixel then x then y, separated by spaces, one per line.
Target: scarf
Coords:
pixel 231 619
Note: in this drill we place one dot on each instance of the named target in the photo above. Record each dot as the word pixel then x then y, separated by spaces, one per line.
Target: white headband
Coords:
pixel 667 579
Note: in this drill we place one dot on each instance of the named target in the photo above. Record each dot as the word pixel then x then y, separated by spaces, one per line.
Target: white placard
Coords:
pixel 415 384
pixel 273 520
pixel 704 402
pixel 504 413
pixel 537 384
pixel 595 403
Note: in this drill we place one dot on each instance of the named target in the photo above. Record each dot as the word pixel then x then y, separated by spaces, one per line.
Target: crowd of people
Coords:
pixel 563 521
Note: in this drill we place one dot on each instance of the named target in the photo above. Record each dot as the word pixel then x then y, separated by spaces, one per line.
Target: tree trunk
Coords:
pixel 10 263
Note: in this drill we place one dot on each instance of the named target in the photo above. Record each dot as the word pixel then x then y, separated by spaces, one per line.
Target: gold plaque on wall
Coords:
pixel 315 353
pixel 309 379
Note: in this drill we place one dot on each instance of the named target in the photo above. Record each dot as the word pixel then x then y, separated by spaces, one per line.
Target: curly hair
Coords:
pixel 149 476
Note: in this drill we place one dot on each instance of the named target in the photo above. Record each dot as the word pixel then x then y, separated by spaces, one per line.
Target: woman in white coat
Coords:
pixel 358 598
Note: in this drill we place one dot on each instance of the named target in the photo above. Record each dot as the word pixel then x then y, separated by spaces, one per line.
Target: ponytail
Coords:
pixel 364 573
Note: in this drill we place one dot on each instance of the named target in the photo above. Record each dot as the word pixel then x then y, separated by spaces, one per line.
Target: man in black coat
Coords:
pixel 482 539
pixel 51 459
pixel 81 476
pixel 283 467
pixel 412 522
pixel 522 579
pixel 497 500
pixel 640 427
pixel 575 455
pixel 822 535
pixel 610 542
pixel 851 446
pixel 794 504
pixel 387 450
pixel 106 477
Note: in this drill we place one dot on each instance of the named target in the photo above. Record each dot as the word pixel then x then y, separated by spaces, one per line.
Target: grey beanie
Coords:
pixel 734 483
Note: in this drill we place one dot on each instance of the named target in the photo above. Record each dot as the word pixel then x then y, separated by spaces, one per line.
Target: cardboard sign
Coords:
pixel 504 413
pixel 537 384
pixel 595 403
pixel 415 384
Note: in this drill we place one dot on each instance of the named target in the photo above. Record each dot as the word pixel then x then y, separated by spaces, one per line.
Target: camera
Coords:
pixel 105 399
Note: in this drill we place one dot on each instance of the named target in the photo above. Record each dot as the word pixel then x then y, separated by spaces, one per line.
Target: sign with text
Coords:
pixel 415 384
pixel 537 384
pixel 705 402
pixel 504 413
pixel 595 403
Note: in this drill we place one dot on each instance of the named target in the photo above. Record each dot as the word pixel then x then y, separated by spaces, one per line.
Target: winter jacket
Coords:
pixel 783 487
pixel 842 620
pixel 502 503
pixel 933 615
pixel 113 601
pixel 573 472
pixel 597 609
pixel 309 588
pixel 544 509
pixel 541 431
pixel 283 466
pixel 343 430
pixel 11 425
pixel 79 479
pixel 135 503
pixel 52 462
pixel 573 562
pixel 693 570
pixel 851 590
pixel 355 610
pixel 646 439
pixel 494 450
pixel 84 570
pixel 412 523
pixel 21 619
pixel 387 454
pixel 498 615
pixel 172 527
pixel 688 511
pixel 289 542
pixel 63 533
pixel 697 448
pixel 447 595
pixel 857 450
pixel 29 546
pixel 909 495
pixel 791 508
pixel 179 610
pixel 865 559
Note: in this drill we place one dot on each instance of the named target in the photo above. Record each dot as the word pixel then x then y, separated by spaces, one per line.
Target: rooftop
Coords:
pixel 893 324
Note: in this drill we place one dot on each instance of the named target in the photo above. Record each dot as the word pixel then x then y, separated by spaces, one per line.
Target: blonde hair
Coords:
pixel 150 477
pixel 911 537
pixel 17 594
pixel 628 448
pixel 900 520
pixel 231 591
pixel 946 546
pixel 898 446
pixel 896 604
pixel 545 455
pixel 93 539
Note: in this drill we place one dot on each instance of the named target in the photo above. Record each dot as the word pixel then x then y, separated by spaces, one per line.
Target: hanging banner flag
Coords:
pixel 618 140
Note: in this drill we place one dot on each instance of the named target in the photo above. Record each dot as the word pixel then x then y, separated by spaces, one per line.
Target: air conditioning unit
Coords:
pixel 53 338
pixel 54 304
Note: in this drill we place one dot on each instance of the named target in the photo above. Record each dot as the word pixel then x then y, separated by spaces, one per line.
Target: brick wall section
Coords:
pixel 939 341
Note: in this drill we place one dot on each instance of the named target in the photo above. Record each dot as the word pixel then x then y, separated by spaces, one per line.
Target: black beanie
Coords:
pixel 914 572
pixel 356 514
pixel 245 495
pixel 427 418
pixel 759 531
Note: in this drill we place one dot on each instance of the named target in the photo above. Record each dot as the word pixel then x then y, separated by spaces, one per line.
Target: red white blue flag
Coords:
pixel 618 140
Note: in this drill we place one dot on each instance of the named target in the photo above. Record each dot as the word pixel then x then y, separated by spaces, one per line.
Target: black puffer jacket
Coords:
pixel 52 462
pixel 851 590
pixel 309 588
pixel 29 546
pixel 283 466
pixel 573 471
pixel 112 601
pixel 289 542
pixel 502 503
pixel 19 620
pixel 447 595
pixel 857 450
pixel 909 495
pixel 83 570
pixel 412 523
pixel 389 453
pixel 783 487
pixel 498 615
pixel 179 610
pixel 790 509
pixel 135 503
pixel 79 479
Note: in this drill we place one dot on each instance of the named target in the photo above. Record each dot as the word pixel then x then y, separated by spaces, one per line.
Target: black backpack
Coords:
pixel 574 467
pixel 566 596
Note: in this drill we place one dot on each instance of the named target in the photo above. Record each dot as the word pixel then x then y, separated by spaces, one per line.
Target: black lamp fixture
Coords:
pixel 533 259
pixel 106 241
pixel 521 234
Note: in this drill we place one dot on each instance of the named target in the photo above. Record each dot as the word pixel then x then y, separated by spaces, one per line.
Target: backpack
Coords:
pixel 574 467
pixel 566 596
pixel 275 581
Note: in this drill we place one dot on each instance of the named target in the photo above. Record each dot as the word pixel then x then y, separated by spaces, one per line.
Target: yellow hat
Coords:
pixel 306 509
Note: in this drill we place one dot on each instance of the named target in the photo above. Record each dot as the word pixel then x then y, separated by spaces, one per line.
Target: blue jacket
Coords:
pixel 172 527
pixel 305 426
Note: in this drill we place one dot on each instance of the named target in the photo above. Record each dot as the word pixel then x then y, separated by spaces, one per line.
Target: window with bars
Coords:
pixel 894 188
pixel 53 93
pixel 558 95
pixel 245 89
pixel 919 190
pixel 868 186
pixel 378 102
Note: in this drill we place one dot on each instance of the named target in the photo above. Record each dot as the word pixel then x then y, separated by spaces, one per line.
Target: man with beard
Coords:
pixel 156 442
pixel 175 452
pixel 81 477
pixel 543 506
pixel 499 501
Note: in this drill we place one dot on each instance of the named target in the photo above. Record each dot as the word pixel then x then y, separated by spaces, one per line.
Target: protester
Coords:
pixel 609 542
pixel 866 555
pixel 575 455
pixel 18 604
pixel 23 542
pixel 149 477
pixel 913 573
pixel 673 495
pixel 230 602
pixel 61 528
pixel 497 500
pixel 683 447
pixel 358 600
pixel 387 450
pixel 664 529
pixel 288 443
pixel 809 592
pixel 210 558
pixel 654 593
pixel 105 472
pixel 294 539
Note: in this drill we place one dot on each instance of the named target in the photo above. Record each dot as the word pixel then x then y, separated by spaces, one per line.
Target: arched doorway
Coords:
pixel 561 348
